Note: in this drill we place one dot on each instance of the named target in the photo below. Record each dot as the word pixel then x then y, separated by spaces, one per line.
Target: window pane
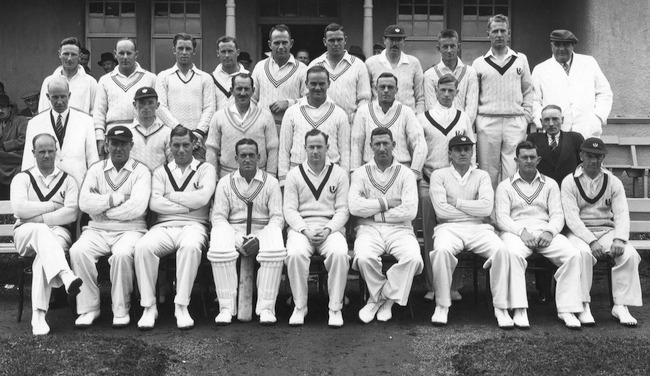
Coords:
pixel 501 2
pixel 290 8
pixel 470 30
pixel 435 27
pixel 501 10
pixel 193 8
pixel 421 28
pixel 177 25
pixel 111 25
pixel 406 10
pixel 485 11
pixel 193 25
pixel 128 8
pixel 485 2
pixel 176 8
pixel 96 25
pixel 409 2
pixel 309 9
pixel 127 25
pixel 437 10
pixel 469 11
pixel 269 8
pixel 112 9
pixel 96 8
pixel 421 9
pixel 327 8
pixel 408 28
pixel 161 25
pixel 161 10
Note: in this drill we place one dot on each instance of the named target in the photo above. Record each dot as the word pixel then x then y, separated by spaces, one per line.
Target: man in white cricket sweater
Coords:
pixel 242 119
pixel 596 212
pixel 181 193
pixel 71 128
pixel 115 193
pixel 316 210
pixel 405 67
pixel 186 93
pixel 466 98
pixel 529 212
pixel 350 85
pixel 315 111
pixel 115 91
pixel 383 194
pixel 280 78
pixel 576 84
pixel 504 104
pixel 150 135
pixel 82 86
pixel 227 51
pixel 247 221
pixel 463 198
pixel 440 124
pixel 44 202
pixel 386 112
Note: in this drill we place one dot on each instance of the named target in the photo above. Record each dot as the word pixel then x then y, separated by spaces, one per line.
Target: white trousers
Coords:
pixel 568 293
pixel 497 139
pixel 398 241
pixel 451 239
pixel 187 241
pixel 626 286
pixel 337 263
pixel 223 255
pixel 48 246
pixel 84 254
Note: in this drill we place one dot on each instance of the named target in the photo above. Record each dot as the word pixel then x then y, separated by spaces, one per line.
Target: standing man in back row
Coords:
pixel 504 104
pixel 466 98
pixel 228 51
pixel 405 67
pixel 186 93
pixel 280 78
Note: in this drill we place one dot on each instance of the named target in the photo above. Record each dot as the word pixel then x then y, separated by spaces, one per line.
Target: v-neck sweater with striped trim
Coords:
pixel 474 199
pixel 26 203
pixel 507 94
pixel 370 189
pixel 225 131
pixel 466 98
pixel 300 119
pixel 190 102
pixel 349 83
pixel 609 211
pixel 151 146
pixel 185 206
pixel 436 139
pixel 285 85
pixel 229 208
pixel 114 98
pixel 410 146
pixel 540 210
pixel 100 184
pixel 330 209
pixel 410 79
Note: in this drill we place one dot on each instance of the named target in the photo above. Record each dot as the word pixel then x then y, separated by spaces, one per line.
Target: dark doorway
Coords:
pixel 308 37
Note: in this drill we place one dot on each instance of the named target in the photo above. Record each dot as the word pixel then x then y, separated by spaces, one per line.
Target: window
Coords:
pixel 169 18
pixel 298 8
pixel 421 18
pixel 477 13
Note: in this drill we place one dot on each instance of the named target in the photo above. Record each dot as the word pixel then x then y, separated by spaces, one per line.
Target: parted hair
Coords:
pixel 526 145
pixel 226 39
pixel 280 27
pixel 317 69
pixel 184 36
pixel 387 75
pixel 246 141
pixel 380 131
pixel 316 132
pixel 181 131
pixel 448 33
pixel 71 40
pixel 447 78
pixel 241 75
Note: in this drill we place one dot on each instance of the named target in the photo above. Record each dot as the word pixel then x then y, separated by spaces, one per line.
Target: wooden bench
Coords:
pixel 639 221
pixel 633 170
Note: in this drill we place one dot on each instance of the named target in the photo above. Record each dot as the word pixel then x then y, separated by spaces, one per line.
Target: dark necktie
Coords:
pixel 553 144
pixel 566 68
pixel 59 129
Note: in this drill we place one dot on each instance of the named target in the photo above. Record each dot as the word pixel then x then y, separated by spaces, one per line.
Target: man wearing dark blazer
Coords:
pixel 559 151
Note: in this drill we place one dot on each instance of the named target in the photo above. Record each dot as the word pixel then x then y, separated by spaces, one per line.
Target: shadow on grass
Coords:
pixel 81 354
pixel 554 356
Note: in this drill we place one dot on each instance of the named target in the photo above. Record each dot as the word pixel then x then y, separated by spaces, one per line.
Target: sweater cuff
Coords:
pixel 202 133
pixel 99 134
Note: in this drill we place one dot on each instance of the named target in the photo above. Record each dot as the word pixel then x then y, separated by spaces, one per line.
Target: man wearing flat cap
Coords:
pixel 115 193
pixel 107 62
pixel 12 142
pixel 244 59
pixel 597 215
pixel 31 101
pixel 407 69
pixel 576 84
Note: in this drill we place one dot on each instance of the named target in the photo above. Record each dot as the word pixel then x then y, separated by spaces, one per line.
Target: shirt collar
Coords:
pixel 457 174
pixel 64 114
pixel 374 164
pixel 441 64
pixel 509 52
pixel 155 125
pixel 116 71
pixel 557 137
pixel 80 72
pixel 377 106
pixel 580 171
pixel 305 102
pixel 219 69
pixel 402 58
pixel 54 173
pixel 258 175
pixel 305 165
pixel 192 68
pixel 516 177
pixel 128 165
pixel 292 60
pixel 439 107
pixel 194 164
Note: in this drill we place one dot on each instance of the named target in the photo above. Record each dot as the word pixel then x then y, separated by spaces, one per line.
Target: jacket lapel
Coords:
pixel 544 148
pixel 565 148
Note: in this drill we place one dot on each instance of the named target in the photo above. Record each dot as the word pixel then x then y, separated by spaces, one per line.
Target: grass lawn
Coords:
pixel 81 354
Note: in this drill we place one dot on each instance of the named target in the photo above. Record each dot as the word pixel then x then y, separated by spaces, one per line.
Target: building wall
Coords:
pixel 31 33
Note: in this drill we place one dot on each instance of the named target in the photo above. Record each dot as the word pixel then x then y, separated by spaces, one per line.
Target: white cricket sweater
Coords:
pixel 349 82
pixel 440 124
pixel 151 145
pixel 317 200
pixel 180 198
pixel 506 87
pixel 466 98
pixel 371 188
pixel 82 89
pixel 103 182
pixel 410 79
pixel 224 100
pixel 301 118
pixel 606 209
pixel 474 199
pixel 410 145
pixel 190 102
pixel 274 83
pixel 226 130
pixel 114 99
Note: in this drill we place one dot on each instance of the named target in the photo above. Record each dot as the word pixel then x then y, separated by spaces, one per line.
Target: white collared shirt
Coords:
pixel 47 180
pixel 462 180
pixel 64 115
pixel 241 181
pixel 189 74
pixel 509 52
pixel 527 188
pixel 383 58
pixel 235 113
pixel 550 138
pixel 591 186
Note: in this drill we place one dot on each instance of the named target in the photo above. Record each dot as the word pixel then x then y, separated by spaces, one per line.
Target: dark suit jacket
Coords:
pixel 570 143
